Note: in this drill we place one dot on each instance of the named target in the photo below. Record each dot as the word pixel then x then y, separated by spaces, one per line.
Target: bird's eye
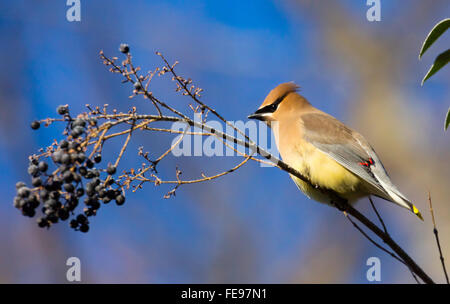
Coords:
pixel 267 109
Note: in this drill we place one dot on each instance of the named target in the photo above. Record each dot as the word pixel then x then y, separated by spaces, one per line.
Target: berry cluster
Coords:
pixel 77 177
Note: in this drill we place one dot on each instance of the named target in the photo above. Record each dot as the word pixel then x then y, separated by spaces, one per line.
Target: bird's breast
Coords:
pixel 322 171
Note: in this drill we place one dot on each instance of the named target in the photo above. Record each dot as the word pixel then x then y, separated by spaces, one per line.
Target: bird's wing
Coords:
pixel 349 149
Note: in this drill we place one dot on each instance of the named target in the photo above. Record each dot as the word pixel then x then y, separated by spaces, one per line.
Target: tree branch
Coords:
pixel 80 137
pixel 436 235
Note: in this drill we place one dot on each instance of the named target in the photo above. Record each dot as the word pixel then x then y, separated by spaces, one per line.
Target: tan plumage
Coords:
pixel 326 151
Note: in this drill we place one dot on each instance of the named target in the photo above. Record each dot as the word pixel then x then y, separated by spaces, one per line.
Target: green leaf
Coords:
pixel 447 120
pixel 438 63
pixel 434 34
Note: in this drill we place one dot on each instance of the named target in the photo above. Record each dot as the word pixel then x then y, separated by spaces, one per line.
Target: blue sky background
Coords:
pixel 252 225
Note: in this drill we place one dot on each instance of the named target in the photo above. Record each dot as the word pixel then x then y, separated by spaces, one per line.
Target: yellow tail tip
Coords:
pixel 417 212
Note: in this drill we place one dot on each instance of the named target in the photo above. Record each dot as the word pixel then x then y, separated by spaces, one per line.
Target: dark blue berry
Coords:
pixel 43 166
pixel 42 222
pixel 81 157
pixel 35 125
pixel 124 48
pixel 83 171
pixel 20 185
pixel 63 214
pixel 52 218
pixel 81 219
pixel 56 156
pixel 120 200
pixel 89 164
pixel 73 224
pixel 111 169
pixel 65 158
pixel 68 176
pixel 33 170
pixel 55 195
pixel 63 144
pixel 77 131
pixel 98 158
pixel 80 192
pixel 23 192
pixel 62 110
pixel 69 187
pixel 84 228
pixel 137 85
pixel 73 145
pixel 36 181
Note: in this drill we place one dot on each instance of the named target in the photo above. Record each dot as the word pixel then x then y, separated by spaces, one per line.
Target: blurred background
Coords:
pixel 251 226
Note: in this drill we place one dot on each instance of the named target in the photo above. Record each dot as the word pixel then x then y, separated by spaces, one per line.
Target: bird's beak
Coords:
pixel 263 116
pixel 255 116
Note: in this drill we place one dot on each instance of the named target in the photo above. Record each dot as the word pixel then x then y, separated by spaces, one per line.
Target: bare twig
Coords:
pixel 380 246
pixel 436 235
pixel 378 215
pixel 390 242
pixel 371 240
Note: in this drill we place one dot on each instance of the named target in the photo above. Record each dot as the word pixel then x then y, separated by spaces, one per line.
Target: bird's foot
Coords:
pixel 341 206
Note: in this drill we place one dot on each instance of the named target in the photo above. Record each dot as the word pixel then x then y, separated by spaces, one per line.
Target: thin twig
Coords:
pixel 380 246
pixel 436 235
pixel 372 241
pixel 386 238
pixel 378 215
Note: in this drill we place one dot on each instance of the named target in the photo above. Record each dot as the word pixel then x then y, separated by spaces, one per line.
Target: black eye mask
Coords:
pixel 272 107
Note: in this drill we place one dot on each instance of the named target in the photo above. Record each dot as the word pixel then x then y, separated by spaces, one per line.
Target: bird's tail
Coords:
pixel 390 193
pixel 399 199
pixel 417 212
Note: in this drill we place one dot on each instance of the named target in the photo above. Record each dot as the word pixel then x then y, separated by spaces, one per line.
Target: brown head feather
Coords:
pixel 280 91
pixel 282 100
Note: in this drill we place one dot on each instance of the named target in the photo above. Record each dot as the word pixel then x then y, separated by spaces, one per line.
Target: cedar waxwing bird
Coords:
pixel 327 152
